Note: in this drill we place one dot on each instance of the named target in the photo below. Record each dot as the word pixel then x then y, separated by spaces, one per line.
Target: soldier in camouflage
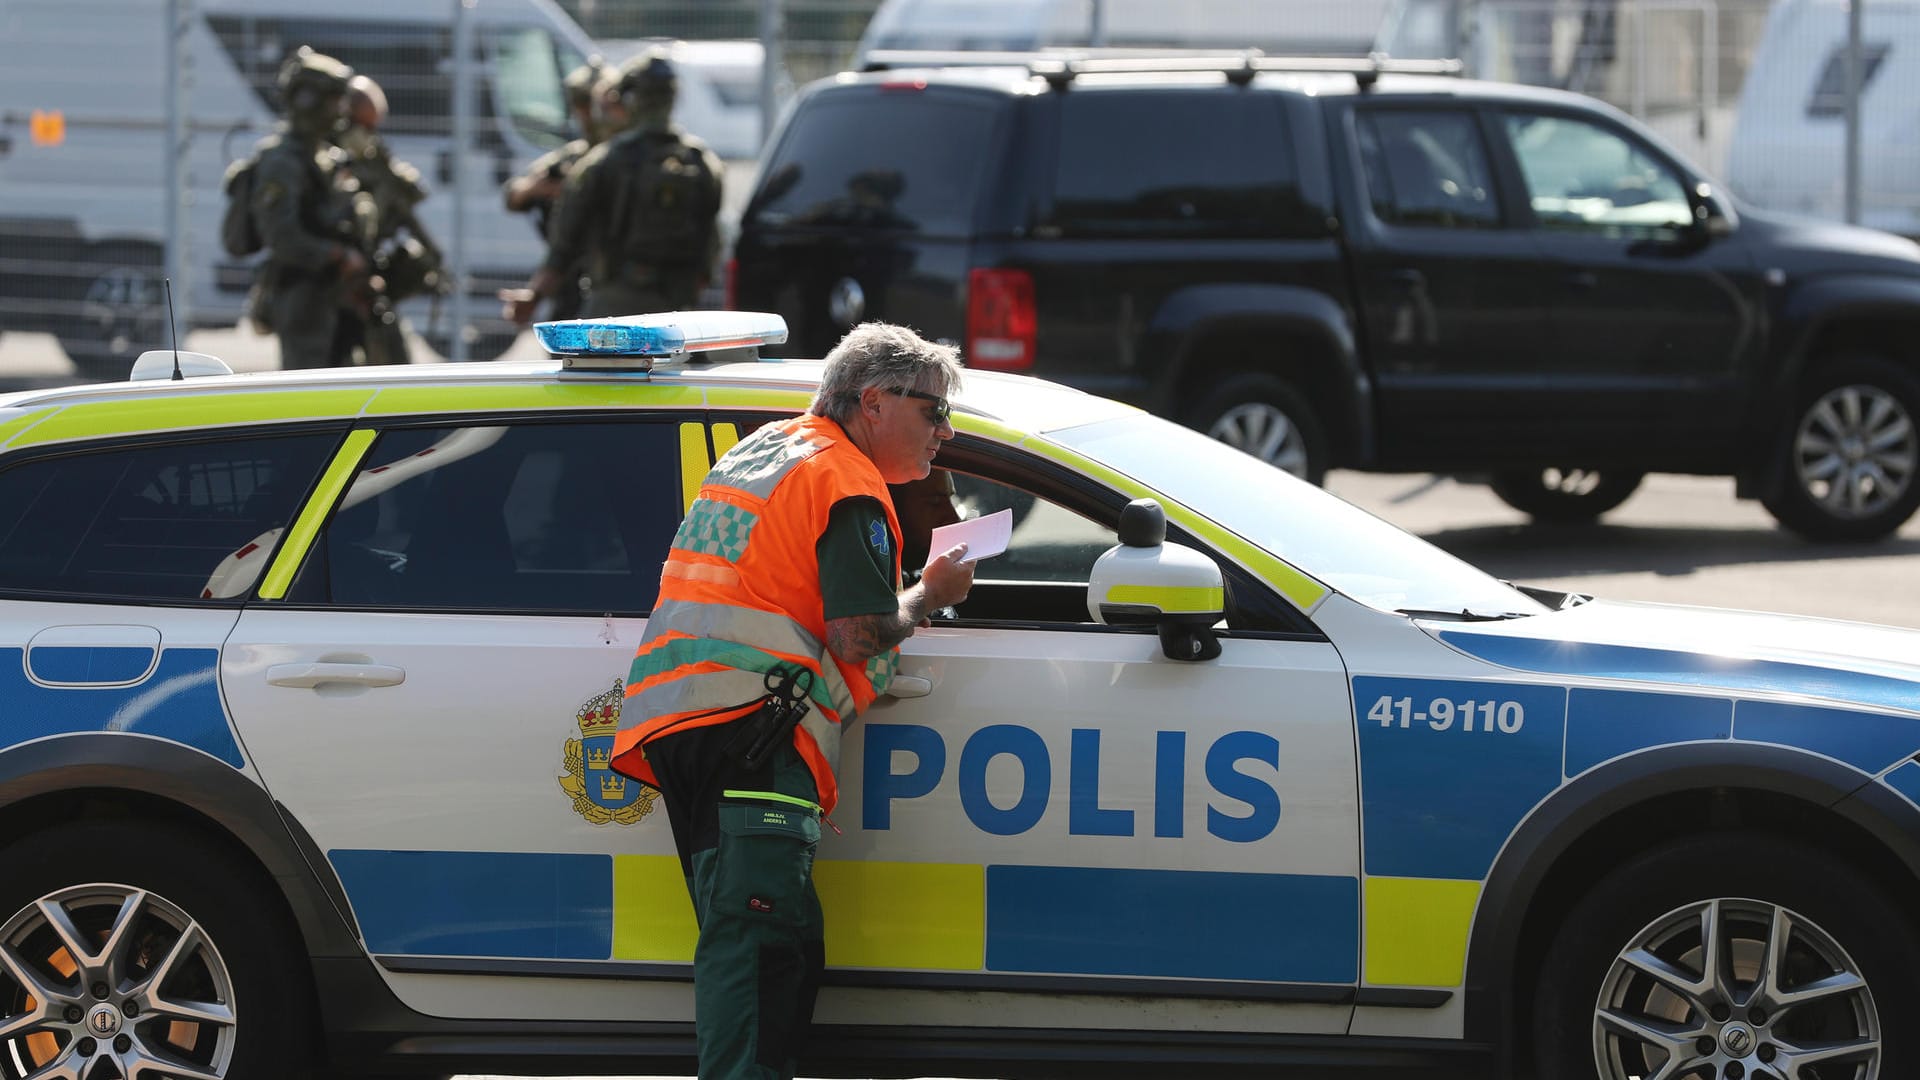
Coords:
pixel 304 208
pixel 406 261
pixel 538 190
pixel 639 211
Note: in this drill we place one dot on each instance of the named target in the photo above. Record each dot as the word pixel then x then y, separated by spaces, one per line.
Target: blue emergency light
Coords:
pixel 644 342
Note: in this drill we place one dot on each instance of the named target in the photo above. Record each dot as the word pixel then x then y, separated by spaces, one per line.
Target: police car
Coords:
pixel 308 682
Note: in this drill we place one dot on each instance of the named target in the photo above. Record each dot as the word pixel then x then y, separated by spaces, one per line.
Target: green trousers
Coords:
pixel 747 841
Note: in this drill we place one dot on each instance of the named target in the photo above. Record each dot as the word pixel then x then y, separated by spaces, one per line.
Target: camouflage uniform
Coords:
pixel 639 210
pixel 405 259
pixel 582 87
pixel 304 209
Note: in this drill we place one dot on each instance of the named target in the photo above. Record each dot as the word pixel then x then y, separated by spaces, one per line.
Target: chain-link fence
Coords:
pixel 120 117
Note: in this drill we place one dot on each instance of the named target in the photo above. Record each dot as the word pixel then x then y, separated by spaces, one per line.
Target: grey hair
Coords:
pixel 883 355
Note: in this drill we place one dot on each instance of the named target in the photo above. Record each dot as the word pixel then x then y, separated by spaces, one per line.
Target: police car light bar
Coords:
pixel 640 343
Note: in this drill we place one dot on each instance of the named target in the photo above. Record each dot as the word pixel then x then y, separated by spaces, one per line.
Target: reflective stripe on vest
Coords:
pixel 740 594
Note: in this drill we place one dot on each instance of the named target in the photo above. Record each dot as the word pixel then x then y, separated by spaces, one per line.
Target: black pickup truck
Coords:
pixel 1357 265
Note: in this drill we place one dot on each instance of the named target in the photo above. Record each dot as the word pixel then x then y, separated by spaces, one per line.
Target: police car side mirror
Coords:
pixel 1145 581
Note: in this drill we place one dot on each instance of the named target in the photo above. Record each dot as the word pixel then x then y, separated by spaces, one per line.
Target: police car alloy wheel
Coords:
pixel 134 950
pixel 1730 955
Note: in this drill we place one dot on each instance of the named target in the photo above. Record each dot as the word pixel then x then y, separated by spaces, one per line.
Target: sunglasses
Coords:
pixel 941 411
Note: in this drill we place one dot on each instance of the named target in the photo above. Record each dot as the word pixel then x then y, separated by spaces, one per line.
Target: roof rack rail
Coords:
pixel 1061 66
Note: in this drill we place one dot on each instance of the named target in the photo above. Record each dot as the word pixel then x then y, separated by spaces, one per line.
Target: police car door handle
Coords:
pixel 906 686
pixel 306 676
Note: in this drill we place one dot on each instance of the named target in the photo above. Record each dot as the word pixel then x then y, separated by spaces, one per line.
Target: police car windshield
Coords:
pixel 1334 541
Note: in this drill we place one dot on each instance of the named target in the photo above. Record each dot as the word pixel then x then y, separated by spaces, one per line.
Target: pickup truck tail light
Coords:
pixel 731 282
pixel 1001 320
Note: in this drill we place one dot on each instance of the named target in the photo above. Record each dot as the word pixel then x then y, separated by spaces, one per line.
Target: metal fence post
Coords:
pixel 1854 73
pixel 462 141
pixel 773 54
pixel 179 148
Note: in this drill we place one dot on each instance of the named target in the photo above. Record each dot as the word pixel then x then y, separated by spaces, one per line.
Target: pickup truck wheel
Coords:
pixel 1730 955
pixel 1269 419
pixel 144 946
pixel 1564 496
pixel 1849 459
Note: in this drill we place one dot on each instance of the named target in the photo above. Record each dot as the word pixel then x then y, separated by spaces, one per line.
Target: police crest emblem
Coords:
pixel 599 794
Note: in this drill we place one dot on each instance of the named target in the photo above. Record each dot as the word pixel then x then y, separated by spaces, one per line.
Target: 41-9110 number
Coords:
pixel 1440 714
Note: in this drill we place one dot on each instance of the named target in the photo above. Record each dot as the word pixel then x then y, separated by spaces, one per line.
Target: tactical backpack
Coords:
pixel 671 216
pixel 239 233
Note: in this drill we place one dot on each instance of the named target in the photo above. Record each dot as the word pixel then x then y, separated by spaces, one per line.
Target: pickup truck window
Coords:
pixel 1205 163
pixel 870 162
pixel 1427 167
pixel 1584 177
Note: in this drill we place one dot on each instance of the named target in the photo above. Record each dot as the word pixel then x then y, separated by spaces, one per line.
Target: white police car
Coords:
pixel 307 682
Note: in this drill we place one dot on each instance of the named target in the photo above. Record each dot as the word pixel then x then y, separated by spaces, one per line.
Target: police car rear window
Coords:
pixel 567 517
pixel 160 522
pixel 900 160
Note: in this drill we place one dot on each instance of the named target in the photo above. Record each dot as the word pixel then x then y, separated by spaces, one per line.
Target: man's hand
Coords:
pixel 947 578
pixel 352 263
pixel 946 581
pixel 516 305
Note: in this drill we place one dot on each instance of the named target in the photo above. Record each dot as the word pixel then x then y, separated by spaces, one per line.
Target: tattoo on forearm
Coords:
pixel 859 638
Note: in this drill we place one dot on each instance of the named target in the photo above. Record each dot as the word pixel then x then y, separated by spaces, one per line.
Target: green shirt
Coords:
pixel 856 560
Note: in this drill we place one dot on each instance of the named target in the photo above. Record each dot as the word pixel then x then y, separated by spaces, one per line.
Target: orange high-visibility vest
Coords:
pixel 740 594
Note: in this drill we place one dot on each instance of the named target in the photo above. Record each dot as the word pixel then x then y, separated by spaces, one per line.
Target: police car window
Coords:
pixel 172 521
pixel 525 517
pixel 872 163
pixel 1199 163
pixel 1427 167
pixel 1584 177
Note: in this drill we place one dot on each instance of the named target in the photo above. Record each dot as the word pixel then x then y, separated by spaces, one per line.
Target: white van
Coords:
pixel 1790 138
pixel 1294 27
pixel 84 153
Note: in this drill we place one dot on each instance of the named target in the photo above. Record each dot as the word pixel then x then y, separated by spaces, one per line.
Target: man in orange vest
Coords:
pixel 780 618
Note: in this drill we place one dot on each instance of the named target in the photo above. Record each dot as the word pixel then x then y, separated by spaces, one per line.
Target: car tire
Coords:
pixel 234 1001
pixel 1625 973
pixel 1564 496
pixel 1848 459
pixel 1268 418
pixel 120 311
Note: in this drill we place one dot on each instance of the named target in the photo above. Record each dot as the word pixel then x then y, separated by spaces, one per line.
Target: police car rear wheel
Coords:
pixel 135 950
pixel 1730 955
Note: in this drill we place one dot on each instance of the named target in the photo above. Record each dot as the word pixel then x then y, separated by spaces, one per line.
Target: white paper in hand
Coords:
pixel 985 537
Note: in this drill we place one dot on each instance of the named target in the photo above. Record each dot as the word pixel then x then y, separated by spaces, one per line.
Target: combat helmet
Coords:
pixel 647 87
pixel 312 86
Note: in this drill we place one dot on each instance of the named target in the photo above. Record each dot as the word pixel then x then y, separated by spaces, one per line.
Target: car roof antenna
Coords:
pixel 174 329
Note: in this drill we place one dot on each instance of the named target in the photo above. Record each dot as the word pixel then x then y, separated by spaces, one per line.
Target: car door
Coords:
pixel 432 697
pixel 1655 325
pixel 117 564
pixel 1045 804
pixel 1453 312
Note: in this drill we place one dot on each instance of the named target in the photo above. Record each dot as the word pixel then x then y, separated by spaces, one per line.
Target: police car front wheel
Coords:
pixel 1731 955
pixel 132 949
